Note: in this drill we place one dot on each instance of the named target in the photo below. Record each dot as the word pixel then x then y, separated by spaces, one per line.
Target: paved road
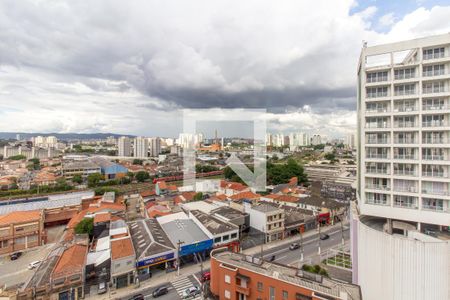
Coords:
pixel 284 255
pixel 175 288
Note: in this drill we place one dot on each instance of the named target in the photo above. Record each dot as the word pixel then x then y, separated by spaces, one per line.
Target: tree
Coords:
pixel 17 157
pixel 198 196
pixel 85 226
pixel 330 156
pixel 77 179
pixel 137 161
pixel 316 269
pixel 94 179
pixel 141 176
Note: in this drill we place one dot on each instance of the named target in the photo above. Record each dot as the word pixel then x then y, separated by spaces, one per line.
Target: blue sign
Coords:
pixel 196 247
pixel 155 260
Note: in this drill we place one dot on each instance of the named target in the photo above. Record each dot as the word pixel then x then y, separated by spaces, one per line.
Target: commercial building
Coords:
pixel 124 146
pixel 123 262
pixel 236 276
pixel 400 237
pixel 140 147
pixel 267 219
pixel 21 230
pixel 82 168
pixel 109 169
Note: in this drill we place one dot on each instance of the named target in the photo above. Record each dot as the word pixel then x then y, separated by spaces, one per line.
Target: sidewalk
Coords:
pixel 161 277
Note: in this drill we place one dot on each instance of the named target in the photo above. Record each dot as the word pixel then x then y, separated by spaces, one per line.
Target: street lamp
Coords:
pixel 319 239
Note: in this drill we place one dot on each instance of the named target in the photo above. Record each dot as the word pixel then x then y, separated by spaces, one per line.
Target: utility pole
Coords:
pixel 342 231
pixel 201 278
pixel 178 256
pixel 263 242
pixel 301 249
pixel 319 239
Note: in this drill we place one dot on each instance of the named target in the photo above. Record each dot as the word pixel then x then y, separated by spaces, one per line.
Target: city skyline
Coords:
pixel 209 62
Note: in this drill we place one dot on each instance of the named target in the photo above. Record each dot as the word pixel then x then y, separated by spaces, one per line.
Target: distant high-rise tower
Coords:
pixel 155 146
pixel 141 147
pixel 400 225
pixel 124 145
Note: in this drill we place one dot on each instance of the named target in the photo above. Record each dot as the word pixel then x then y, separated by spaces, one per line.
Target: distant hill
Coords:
pixel 62 136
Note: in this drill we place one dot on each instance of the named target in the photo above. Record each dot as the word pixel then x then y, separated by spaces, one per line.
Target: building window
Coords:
pixel 260 286
pixel 218 239
pixel 129 262
pixel 302 297
pixel 285 295
pixel 117 265
pixel 234 235
pixel 226 238
pixel 227 279
pixel 227 294
pixel 271 293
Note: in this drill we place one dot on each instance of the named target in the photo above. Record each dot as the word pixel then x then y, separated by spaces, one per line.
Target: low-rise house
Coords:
pixel 157 210
pixel 123 262
pixel 247 195
pixel 233 216
pixel 21 230
pixel 67 279
pixel 230 188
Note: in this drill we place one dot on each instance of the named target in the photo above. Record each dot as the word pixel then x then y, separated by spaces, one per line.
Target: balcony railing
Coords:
pixel 377 95
pixel 405 189
pixel 404 76
pixel 404 141
pixel 377 141
pixel 435 192
pixel 433 157
pixel 377 202
pixel 433 207
pixel 378 187
pixel 376 155
pixel 377 110
pixel 433 55
pixel 434 107
pixel 377 125
pixel 404 108
pixel 376 79
pixel 433 73
pixel 434 90
pixel 378 171
pixel 404 92
pixel 405 172
pixel 404 124
pixel 434 174
pixel 243 290
pixel 433 141
pixel 405 204
pixel 434 123
pixel 404 156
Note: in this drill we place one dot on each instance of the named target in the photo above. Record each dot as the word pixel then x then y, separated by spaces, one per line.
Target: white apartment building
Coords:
pixel 155 146
pixel 316 139
pixel 269 139
pixel 267 219
pixel 400 226
pixel 124 146
pixel 297 140
pixel 140 147
pixel 350 141
pixel 278 140
pixel 45 141
pixel 186 140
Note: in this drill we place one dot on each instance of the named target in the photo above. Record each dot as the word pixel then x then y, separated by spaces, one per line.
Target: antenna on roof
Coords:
pixel 364 44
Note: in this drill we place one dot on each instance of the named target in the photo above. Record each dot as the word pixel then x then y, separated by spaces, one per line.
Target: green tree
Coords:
pixel 330 156
pixel 137 161
pixel 94 179
pixel 141 176
pixel 85 226
pixel 198 196
pixel 17 157
pixel 77 179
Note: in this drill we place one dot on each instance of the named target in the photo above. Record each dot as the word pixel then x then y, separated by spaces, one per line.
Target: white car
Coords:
pixel 191 292
pixel 33 264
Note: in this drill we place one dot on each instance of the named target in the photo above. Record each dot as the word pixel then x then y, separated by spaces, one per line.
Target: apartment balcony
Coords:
pixel 405 76
pixel 405 93
pixel 428 91
pixel 434 141
pixel 376 156
pixel 405 124
pixel 377 125
pixel 433 157
pixel 434 174
pixel 243 290
pixel 403 204
pixel 434 107
pixel 433 73
pixel 436 208
pixel 378 171
pixel 436 192
pixel 378 187
pixel 405 173
pixel 377 95
pixel 378 202
pixel 405 109
pixel 433 56
pixel 435 124
pixel 377 79
pixel 405 141
pixel 378 110
pixel 405 156
pixel 377 141
pixel 405 189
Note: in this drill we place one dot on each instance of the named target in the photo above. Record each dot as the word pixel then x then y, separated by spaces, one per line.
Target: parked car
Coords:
pixel 101 288
pixel 324 237
pixel 33 264
pixel 272 258
pixel 137 297
pixel 15 256
pixel 294 246
pixel 191 292
pixel 162 290
pixel 206 277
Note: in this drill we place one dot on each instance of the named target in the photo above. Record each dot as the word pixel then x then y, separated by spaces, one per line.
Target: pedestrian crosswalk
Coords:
pixel 183 283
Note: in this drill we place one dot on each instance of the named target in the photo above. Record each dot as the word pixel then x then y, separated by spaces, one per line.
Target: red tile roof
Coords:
pixel 245 195
pixel 162 185
pixel 16 217
pixel 71 261
pixel 102 217
pixel 121 248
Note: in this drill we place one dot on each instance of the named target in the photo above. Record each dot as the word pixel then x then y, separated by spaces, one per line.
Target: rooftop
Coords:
pixel 184 230
pixel 264 207
pixel 326 286
pixel 122 247
pixel 71 261
pixel 214 225
pixel 102 217
pixel 20 217
pixel 228 212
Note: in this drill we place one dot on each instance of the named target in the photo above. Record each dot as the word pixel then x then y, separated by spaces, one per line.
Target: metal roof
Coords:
pixel 184 230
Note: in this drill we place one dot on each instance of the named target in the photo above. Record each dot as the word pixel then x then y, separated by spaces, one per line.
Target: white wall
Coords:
pixel 397 268
pixel 258 220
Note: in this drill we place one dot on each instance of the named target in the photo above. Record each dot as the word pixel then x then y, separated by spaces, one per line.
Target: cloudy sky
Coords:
pixel 130 66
